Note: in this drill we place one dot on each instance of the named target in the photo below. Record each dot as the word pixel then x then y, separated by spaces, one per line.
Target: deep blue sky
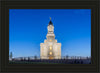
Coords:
pixel 28 28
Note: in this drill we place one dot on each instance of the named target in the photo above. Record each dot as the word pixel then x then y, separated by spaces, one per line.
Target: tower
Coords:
pixel 50 49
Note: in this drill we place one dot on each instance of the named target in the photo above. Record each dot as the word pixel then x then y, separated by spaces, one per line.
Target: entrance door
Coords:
pixel 50 57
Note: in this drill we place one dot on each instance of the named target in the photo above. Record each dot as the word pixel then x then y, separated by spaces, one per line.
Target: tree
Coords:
pixel 35 57
pixel 10 55
pixel 67 56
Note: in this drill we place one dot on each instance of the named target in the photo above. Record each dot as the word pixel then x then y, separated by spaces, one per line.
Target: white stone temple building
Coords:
pixel 50 49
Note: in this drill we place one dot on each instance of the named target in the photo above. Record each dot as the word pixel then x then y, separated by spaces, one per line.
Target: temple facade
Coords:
pixel 50 49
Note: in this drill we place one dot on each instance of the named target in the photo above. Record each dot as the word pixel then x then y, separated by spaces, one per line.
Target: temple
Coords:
pixel 50 49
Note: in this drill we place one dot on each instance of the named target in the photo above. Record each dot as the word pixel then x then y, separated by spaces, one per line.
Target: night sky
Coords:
pixel 28 28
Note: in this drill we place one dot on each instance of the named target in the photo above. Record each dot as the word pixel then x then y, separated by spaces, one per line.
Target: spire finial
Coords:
pixel 50 18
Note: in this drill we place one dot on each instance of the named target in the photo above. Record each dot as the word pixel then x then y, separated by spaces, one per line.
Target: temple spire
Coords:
pixel 50 23
pixel 50 18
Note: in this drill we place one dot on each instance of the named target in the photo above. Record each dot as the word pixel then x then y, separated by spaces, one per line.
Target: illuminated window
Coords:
pixel 50 40
pixel 50 47
pixel 50 28
pixel 50 53
pixel 58 53
pixel 58 48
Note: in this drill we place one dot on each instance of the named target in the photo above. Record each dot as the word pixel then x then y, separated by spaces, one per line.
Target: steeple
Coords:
pixel 50 23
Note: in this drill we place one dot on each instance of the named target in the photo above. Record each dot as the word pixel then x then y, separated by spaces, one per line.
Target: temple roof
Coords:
pixel 50 23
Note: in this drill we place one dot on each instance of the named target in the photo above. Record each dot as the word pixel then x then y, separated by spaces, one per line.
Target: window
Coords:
pixel 50 40
pixel 50 53
pixel 50 47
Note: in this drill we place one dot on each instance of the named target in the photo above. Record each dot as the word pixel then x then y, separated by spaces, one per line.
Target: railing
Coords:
pixel 36 57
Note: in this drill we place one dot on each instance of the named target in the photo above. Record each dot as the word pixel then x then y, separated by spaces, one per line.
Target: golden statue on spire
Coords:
pixel 50 18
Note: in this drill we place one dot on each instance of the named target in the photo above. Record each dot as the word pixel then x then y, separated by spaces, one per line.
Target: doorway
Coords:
pixel 50 57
